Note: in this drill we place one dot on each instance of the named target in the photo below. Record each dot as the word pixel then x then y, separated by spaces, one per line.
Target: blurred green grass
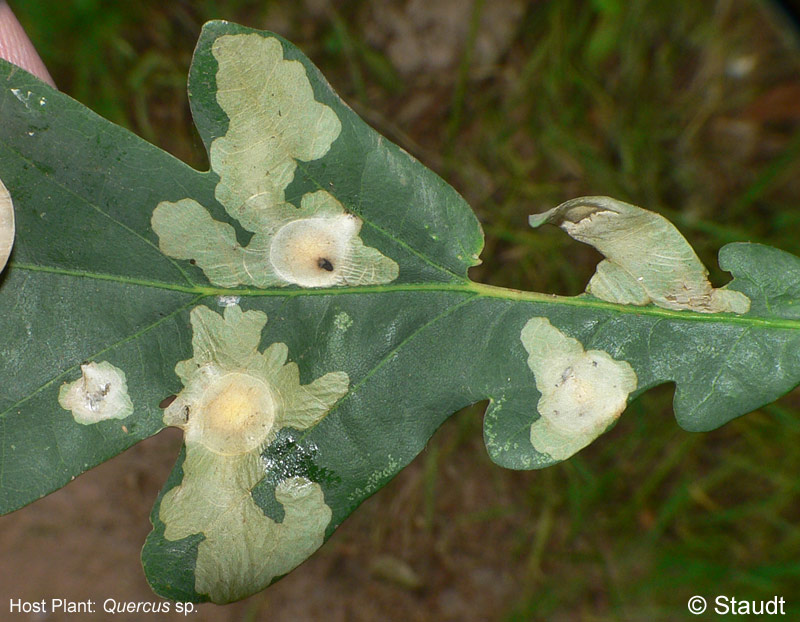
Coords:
pixel 680 107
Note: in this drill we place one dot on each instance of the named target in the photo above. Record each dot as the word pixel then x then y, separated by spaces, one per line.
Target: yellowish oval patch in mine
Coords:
pixel 238 414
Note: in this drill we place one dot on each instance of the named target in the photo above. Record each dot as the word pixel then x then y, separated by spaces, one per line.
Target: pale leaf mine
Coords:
pixel 100 393
pixel 647 258
pixel 234 401
pixel 274 123
pixel 582 391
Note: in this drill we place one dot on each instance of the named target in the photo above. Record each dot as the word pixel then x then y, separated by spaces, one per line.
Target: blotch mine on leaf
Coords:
pixel 100 393
pixel 583 392
pixel 647 258
pixel 6 225
pixel 234 402
pixel 313 251
pixel 274 122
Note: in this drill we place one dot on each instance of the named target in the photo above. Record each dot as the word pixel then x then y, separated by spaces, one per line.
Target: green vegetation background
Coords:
pixel 687 108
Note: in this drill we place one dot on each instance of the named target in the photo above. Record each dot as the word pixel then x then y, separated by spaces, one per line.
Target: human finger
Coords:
pixel 16 47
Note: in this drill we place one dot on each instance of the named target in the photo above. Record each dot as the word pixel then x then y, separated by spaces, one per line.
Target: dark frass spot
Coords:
pixel 325 264
pixel 167 401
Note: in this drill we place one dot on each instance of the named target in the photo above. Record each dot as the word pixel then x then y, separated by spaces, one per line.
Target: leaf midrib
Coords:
pixel 93 206
pixel 463 286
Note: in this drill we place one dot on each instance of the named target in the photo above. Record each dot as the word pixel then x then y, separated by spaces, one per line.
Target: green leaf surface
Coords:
pixel 88 281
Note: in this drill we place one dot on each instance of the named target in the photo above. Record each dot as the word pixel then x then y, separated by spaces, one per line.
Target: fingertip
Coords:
pixel 16 48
